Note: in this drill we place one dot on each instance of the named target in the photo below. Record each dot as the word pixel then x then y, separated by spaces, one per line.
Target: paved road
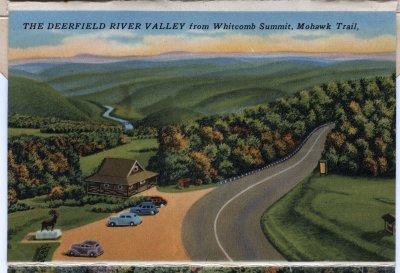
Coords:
pixel 125 123
pixel 224 225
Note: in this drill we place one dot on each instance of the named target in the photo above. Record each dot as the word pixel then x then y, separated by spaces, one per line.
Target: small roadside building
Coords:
pixel 390 223
pixel 120 177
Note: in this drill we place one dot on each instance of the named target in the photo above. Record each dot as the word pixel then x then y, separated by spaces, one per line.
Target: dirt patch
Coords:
pixel 158 238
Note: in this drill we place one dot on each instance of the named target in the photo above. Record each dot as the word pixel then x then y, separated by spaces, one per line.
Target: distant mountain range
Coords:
pixel 181 55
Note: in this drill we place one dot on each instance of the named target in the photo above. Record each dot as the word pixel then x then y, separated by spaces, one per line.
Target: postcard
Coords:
pixel 201 136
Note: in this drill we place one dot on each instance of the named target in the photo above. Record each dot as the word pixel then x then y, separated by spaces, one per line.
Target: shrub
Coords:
pixel 41 253
pixel 118 206
pixel 55 203
pixel 57 193
pixel 18 207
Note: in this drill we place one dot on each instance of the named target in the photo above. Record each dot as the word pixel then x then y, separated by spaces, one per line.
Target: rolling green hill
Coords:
pixel 172 91
pixel 30 97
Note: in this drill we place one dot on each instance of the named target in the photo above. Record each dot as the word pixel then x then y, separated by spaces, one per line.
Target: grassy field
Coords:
pixel 333 218
pixel 131 150
pixel 23 222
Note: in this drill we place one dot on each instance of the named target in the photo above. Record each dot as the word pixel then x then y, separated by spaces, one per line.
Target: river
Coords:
pixel 125 123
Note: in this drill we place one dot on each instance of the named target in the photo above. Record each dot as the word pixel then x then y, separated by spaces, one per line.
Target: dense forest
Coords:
pixel 56 125
pixel 213 148
pixel 38 165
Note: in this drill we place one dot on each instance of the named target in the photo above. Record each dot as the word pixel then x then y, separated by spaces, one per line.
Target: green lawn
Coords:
pixel 23 222
pixel 27 131
pixel 175 189
pixel 130 151
pixel 333 218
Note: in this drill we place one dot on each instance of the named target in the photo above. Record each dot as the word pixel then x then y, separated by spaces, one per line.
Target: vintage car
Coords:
pixel 157 200
pixel 144 208
pixel 124 219
pixel 86 248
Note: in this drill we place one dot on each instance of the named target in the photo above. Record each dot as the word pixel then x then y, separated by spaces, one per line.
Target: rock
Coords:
pixel 48 234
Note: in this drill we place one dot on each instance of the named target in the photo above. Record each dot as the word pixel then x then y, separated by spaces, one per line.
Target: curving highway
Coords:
pixel 224 225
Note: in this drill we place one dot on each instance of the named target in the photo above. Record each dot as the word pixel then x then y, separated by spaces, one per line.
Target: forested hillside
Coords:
pixel 213 148
pixel 37 164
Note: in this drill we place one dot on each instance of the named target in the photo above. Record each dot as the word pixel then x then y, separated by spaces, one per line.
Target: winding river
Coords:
pixel 125 123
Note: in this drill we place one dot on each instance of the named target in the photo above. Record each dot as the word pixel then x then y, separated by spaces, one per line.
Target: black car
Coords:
pixel 157 201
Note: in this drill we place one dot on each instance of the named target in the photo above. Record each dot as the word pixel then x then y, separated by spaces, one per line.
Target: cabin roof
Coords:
pixel 118 167
pixel 118 170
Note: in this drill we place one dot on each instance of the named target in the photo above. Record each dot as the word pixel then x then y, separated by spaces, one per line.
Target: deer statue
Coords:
pixel 50 222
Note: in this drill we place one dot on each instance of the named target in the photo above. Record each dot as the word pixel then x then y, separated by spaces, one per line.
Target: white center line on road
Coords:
pixel 255 185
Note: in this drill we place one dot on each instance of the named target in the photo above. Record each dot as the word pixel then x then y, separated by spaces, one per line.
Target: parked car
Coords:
pixel 86 248
pixel 125 219
pixel 157 200
pixel 144 208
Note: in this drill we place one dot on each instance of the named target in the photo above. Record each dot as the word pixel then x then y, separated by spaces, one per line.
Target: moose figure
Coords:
pixel 50 223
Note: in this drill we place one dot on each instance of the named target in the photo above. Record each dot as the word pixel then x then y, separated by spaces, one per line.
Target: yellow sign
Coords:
pixel 323 167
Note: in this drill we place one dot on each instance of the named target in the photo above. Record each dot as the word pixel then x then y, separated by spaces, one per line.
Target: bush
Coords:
pixel 73 203
pixel 118 206
pixel 107 208
pixel 74 192
pixel 41 253
pixel 56 203
pixel 18 207
pixel 57 193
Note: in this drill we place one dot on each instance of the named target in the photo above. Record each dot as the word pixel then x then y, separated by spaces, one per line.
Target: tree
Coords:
pixel 12 197
pixel 202 164
pixel 174 166
pixel 171 138
pixel 370 166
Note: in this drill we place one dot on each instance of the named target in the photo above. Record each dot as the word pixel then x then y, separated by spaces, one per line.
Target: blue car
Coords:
pixel 144 208
pixel 124 219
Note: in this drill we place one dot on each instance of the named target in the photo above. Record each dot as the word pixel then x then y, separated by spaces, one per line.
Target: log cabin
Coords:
pixel 120 177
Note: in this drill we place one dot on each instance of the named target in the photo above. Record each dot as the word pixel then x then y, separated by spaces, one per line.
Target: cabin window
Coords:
pixel 142 182
pixel 106 186
pixel 135 168
pixel 120 187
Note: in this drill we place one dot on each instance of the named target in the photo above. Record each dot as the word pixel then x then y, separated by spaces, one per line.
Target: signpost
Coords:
pixel 323 167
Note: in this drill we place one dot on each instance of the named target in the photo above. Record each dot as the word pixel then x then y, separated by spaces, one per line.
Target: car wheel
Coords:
pixel 112 224
pixel 152 212
pixel 132 224
pixel 71 253
pixel 91 254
